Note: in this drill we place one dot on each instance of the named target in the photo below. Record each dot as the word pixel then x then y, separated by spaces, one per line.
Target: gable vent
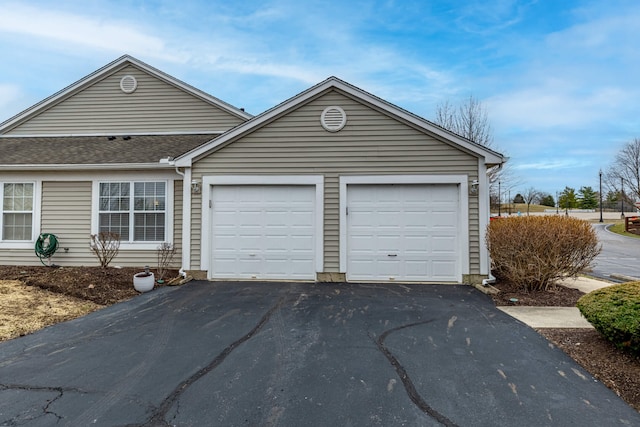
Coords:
pixel 128 84
pixel 333 118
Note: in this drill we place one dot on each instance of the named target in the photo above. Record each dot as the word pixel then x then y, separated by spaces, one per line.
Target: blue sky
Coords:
pixel 559 79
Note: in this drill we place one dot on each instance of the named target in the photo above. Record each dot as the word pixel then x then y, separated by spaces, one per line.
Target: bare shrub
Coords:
pixel 105 245
pixel 535 252
pixel 166 252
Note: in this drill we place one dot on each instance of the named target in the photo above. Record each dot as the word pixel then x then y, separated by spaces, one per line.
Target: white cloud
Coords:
pixel 87 31
pixel 557 104
pixel 554 164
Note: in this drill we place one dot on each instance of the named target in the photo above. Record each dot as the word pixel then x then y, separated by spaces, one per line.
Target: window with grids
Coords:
pixel 17 211
pixel 134 210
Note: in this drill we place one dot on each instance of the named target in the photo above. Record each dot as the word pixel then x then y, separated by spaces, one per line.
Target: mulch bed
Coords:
pixel 558 296
pixel 103 286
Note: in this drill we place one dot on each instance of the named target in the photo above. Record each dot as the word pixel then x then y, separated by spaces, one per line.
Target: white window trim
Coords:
pixel 35 217
pixel 209 181
pixel 463 191
pixel 168 217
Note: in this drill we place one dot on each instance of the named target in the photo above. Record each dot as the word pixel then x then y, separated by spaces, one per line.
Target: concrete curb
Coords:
pixel 625 278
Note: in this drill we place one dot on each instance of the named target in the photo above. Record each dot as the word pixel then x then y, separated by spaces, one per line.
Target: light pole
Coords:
pixel 621 197
pixel 600 195
pixel 557 204
pixel 499 199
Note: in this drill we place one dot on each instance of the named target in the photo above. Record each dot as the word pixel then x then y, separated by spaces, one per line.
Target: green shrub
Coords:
pixel 615 313
pixel 535 252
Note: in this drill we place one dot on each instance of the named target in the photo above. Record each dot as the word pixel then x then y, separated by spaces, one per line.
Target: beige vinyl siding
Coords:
pixel 103 108
pixel 18 257
pixel 66 212
pixel 371 143
pixel 177 222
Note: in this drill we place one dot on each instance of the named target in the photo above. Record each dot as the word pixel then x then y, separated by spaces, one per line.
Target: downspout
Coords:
pixel 186 220
pixel 490 280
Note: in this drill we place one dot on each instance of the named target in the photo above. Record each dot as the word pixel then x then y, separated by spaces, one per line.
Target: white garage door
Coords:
pixel 403 233
pixel 263 232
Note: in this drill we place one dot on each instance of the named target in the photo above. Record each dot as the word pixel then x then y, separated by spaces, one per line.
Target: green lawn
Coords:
pixel 618 228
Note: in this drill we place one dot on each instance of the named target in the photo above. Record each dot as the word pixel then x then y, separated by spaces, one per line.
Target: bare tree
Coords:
pixel 625 172
pixel 530 195
pixel 470 120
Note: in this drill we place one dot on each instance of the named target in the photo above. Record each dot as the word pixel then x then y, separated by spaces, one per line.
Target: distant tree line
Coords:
pixel 585 198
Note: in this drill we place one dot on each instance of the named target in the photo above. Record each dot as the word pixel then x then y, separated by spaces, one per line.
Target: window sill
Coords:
pixel 146 246
pixel 17 245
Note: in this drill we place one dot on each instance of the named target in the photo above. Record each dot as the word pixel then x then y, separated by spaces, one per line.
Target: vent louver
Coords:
pixel 128 84
pixel 333 118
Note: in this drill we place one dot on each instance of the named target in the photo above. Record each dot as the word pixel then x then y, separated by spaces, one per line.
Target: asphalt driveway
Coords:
pixel 262 354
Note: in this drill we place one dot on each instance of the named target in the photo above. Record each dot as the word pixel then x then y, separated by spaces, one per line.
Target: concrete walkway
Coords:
pixel 557 317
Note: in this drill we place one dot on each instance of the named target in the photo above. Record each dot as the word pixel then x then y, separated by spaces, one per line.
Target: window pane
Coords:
pixel 149 196
pixel 8 190
pixel 138 189
pixel 104 189
pixel 149 227
pixel 7 202
pixel 16 226
pixel 17 204
pixel 115 223
pixel 18 190
pixel 114 196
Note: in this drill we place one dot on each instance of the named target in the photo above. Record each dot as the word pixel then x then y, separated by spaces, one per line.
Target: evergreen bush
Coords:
pixel 615 313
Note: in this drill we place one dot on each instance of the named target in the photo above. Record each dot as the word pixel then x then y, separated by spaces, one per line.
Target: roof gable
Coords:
pixel 333 83
pixel 89 108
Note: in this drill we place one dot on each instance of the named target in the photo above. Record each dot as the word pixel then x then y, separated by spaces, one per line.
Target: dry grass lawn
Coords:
pixel 25 309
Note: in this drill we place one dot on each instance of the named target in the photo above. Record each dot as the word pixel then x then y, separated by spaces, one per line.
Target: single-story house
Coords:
pixel 332 184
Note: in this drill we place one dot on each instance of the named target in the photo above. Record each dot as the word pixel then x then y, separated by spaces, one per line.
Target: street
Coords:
pixel 620 255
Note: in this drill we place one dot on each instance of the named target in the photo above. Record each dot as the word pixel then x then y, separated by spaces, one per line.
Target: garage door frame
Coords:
pixel 463 218
pixel 268 180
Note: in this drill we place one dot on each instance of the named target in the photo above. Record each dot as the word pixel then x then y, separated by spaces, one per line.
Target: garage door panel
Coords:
pixel 442 269
pixel 263 232
pixel 416 224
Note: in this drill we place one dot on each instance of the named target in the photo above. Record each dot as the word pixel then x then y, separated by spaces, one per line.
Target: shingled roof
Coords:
pixel 94 150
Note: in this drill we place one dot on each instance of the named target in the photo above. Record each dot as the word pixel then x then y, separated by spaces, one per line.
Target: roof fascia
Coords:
pixel 85 135
pixel 103 72
pixel 490 156
pixel 79 167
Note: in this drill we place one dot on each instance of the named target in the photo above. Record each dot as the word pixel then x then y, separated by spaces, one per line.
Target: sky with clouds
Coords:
pixel 558 79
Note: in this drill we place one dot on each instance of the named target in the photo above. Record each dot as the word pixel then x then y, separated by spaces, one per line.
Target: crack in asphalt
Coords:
pixel 158 416
pixel 45 409
pixel 406 380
